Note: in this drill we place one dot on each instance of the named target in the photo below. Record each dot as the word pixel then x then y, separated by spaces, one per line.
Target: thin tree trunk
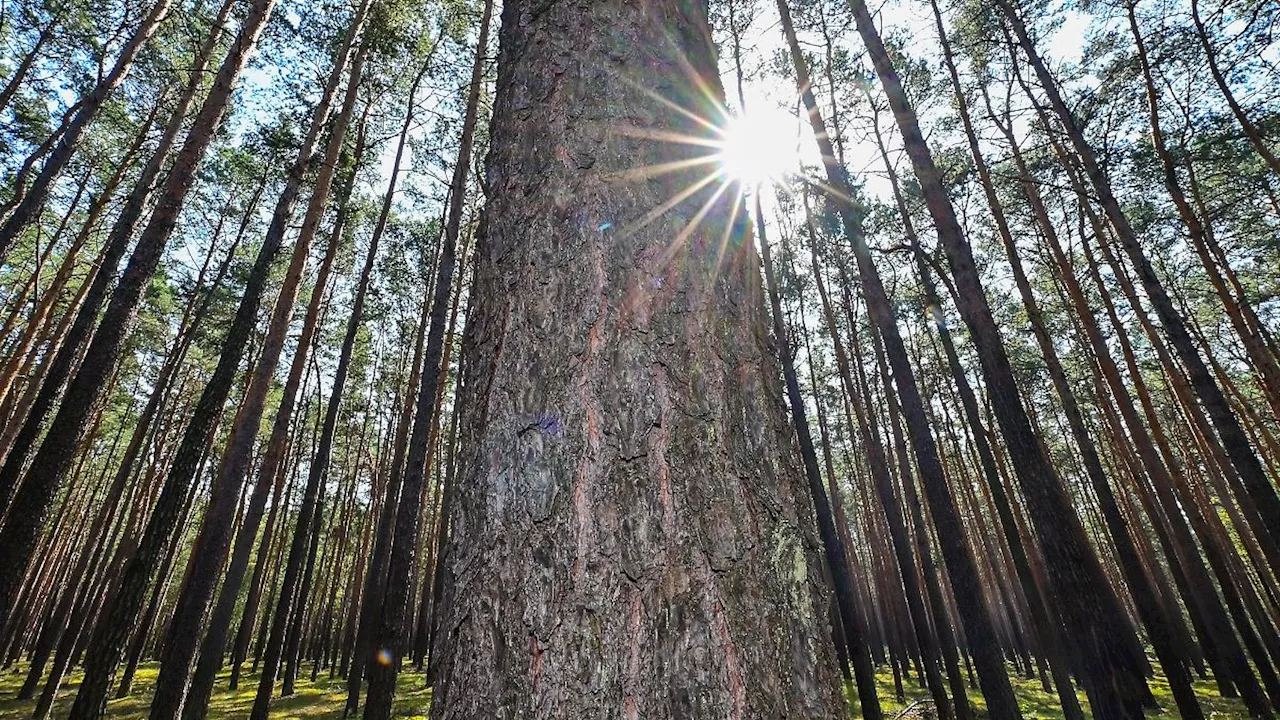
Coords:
pixel 1250 129
pixel 1197 230
pixel 960 562
pixel 837 560
pixel 85 110
pixel 371 596
pixel 28 59
pixel 53 457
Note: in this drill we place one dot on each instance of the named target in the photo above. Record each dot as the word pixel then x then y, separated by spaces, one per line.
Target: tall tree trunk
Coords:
pixel 433 592
pixel 836 557
pixel 959 559
pixel 39 319
pixel 618 407
pixel 371 597
pixel 1153 617
pixel 319 466
pixel 1225 422
pixel 375 578
pixel 1047 628
pixel 28 59
pixel 882 481
pixel 84 111
pixel 1197 229
pixel 836 552
pixel 1250 129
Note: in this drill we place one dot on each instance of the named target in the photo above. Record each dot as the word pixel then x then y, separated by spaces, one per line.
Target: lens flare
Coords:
pixel 758 148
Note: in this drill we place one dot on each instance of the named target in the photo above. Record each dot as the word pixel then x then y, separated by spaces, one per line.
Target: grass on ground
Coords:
pixel 323 699
pixel 1041 705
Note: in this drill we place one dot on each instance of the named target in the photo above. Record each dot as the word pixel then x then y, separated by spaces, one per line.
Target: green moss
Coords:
pixel 321 700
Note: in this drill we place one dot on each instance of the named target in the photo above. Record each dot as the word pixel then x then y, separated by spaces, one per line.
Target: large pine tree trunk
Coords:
pixel 630 535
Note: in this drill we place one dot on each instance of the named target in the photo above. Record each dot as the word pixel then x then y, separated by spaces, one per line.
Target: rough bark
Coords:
pixel 630 535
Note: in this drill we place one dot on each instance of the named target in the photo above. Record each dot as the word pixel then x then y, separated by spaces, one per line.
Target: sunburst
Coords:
pixel 735 154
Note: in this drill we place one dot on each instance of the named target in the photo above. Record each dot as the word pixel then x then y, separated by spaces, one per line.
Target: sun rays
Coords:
pixel 732 155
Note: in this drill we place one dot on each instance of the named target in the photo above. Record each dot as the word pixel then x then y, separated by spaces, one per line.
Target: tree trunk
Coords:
pixel 1250 129
pixel 47 468
pixel 85 109
pixel 633 424
pixel 28 59
pixel 1112 665
pixel 371 597
pixel 958 557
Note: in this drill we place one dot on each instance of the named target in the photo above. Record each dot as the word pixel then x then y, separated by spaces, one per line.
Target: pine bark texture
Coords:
pixel 631 535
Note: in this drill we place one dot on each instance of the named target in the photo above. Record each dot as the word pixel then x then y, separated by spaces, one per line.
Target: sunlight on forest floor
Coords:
pixel 319 701
pixel 1037 704
pixel 323 699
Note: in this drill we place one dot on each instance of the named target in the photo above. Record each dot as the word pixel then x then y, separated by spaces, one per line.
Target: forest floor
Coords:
pixel 323 699
pixel 1040 705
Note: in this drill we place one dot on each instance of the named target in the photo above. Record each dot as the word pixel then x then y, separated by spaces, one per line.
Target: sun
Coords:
pixel 758 148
